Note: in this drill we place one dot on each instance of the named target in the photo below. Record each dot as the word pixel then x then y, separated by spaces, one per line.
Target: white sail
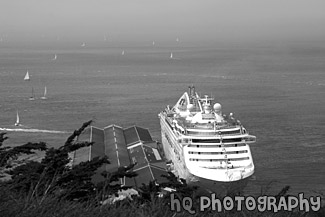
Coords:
pixel 83 44
pixel 55 57
pixel 171 56
pixel 45 92
pixel 17 120
pixel 26 77
pixel 123 52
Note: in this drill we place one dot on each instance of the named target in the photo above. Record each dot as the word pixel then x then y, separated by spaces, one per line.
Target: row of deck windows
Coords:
pixel 220 160
pixel 216 146
pixel 216 153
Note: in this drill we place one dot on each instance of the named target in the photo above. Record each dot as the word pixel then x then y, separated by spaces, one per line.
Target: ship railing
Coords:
pixel 218 126
pixel 234 144
pixel 222 156
pixel 223 167
pixel 226 139
pixel 200 133
pixel 228 165
pixel 222 164
pixel 205 132
pixel 217 150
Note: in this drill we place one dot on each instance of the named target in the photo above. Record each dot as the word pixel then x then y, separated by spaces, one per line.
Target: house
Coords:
pixel 123 146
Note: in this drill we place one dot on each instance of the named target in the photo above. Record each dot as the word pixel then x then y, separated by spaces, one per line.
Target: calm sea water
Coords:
pixel 277 91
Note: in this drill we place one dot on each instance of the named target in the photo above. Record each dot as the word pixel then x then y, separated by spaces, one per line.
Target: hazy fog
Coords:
pixel 164 19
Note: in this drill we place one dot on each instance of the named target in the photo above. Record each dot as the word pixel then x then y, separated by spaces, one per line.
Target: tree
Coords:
pixel 54 176
pixel 10 154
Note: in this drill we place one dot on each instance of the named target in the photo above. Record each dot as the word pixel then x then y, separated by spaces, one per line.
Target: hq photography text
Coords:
pixel 239 203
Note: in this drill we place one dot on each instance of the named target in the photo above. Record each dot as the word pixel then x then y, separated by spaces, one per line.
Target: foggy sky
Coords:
pixel 195 19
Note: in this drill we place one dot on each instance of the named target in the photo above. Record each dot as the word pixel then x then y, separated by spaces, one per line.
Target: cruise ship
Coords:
pixel 204 146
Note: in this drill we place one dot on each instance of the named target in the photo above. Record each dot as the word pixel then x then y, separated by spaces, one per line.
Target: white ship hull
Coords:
pixel 221 165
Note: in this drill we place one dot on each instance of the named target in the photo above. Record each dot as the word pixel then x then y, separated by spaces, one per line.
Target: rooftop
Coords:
pixel 123 146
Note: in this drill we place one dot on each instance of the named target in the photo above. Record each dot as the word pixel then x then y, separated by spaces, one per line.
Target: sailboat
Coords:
pixel 55 57
pixel 44 96
pixel 171 56
pixel 32 97
pixel 83 44
pixel 123 52
pixel 26 78
pixel 17 120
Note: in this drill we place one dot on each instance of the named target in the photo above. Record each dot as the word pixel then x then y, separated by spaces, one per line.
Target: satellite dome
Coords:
pixel 217 107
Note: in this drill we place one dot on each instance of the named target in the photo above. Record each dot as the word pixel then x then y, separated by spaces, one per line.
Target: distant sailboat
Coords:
pixel 123 52
pixel 26 78
pixel 153 43
pixel 32 97
pixel 17 120
pixel 45 92
pixel 171 56
pixel 55 57
pixel 83 44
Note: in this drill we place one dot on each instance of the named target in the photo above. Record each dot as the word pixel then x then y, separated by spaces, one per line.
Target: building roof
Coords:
pixel 123 147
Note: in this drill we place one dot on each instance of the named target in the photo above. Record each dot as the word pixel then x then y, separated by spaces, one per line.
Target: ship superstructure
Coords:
pixel 201 143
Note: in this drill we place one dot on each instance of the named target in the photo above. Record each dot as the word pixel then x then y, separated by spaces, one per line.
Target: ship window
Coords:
pixel 206 140
pixel 232 140
pixel 230 132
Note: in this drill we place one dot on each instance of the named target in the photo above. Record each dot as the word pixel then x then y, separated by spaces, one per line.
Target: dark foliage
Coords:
pixel 11 153
pixel 179 185
pixel 111 184
pixel 52 175
pixel 2 138
pixel 151 190
pixel 75 134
